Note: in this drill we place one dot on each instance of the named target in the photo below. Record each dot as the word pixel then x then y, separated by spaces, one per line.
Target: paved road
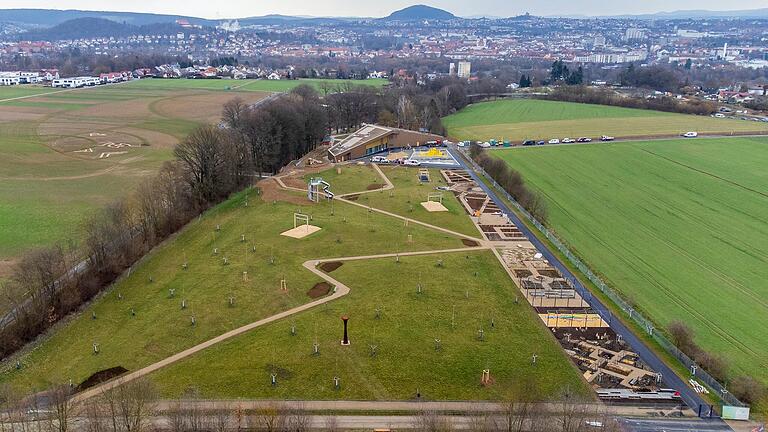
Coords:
pixel 688 395
pixel 638 139
pixel 672 425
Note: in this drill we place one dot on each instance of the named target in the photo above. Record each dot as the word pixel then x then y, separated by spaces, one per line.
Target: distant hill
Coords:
pixel 690 14
pixel 52 17
pixel 97 27
pixel 420 12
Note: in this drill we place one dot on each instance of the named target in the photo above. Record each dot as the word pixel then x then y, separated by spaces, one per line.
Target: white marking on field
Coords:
pixel 110 144
pixel 88 150
pixel 105 155
pixel 96 134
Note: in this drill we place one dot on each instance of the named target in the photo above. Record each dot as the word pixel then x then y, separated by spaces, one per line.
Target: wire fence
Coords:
pixel 697 373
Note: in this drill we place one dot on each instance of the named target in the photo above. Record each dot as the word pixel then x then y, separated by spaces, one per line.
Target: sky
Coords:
pixel 370 8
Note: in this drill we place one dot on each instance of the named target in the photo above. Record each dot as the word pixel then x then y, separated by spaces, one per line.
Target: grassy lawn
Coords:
pixel 47 187
pixel 243 85
pixel 161 328
pixel 8 92
pixel 406 359
pixel 409 192
pixel 353 178
pixel 677 226
pixel 538 119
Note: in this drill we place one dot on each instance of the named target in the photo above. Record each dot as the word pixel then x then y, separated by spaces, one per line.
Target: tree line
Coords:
pixel 601 96
pixel 210 164
pixel 136 407
pixel 512 182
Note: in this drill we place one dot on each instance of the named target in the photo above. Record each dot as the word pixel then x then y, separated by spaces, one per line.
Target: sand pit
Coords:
pixel 301 231
pixel 433 206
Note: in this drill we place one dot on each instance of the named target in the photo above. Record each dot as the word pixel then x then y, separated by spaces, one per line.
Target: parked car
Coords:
pixel 380 159
pixel 568 140
pixel 584 139
pixel 607 138
pixel 554 141
pixel 411 162
pixel 719 115
pixel 485 144
pixel 690 134
pixel 529 142
pixel 542 142
pixel 463 144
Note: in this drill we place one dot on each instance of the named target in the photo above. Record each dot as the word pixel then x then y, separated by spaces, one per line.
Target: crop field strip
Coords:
pixel 521 119
pixel 693 235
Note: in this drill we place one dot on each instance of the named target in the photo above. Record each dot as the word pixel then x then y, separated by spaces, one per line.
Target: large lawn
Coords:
pixel 65 153
pixel 161 327
pixel 521 119
pixel 679 227
pixel 406 360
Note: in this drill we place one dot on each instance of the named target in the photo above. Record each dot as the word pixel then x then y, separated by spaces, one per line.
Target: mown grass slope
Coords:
pixel 453 305
pixel 160 327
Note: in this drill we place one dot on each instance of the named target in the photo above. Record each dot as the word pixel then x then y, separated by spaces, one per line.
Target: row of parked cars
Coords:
pixel 566 140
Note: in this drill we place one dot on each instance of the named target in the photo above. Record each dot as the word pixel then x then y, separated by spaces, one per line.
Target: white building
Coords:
pixel 465 69
pixel 9 78
pixel 634 34
pixel 75 82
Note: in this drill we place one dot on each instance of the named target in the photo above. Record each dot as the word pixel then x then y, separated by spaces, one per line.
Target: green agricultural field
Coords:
pixel 406 360
pixel 521 119
pixel 677 226
pixel 161 327
pixel 245 85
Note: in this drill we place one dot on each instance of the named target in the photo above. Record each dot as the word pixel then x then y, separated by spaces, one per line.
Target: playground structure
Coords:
pixel 424 175
pixel 301 227
pixel 318 188
pixel 434 203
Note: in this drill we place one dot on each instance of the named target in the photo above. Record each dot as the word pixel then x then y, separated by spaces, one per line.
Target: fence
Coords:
pixel 698 373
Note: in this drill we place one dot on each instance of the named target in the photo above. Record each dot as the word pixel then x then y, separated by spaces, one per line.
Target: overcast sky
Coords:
pixel 243 8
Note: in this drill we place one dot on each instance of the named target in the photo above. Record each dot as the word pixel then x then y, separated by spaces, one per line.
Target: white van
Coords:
pixel 411 162
pixel 380 159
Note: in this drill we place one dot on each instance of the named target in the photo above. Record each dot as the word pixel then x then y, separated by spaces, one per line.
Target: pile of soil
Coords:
pixel 374 186
pixel 469 243
pixel 330 266
pixel 319 290
pixel 100 377
pixel 353 197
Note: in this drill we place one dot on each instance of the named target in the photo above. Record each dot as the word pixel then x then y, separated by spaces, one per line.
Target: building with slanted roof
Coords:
pixel 371 139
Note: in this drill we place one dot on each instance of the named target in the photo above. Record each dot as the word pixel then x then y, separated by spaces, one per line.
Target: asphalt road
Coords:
pixel 688 395
pixel 667 425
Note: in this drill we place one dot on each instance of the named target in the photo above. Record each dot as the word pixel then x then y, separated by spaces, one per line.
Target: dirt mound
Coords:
pixel 320 289
pixel 353 197
pixel 470 243
pixel 101 376
pixel 330 266
pixel 374 186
